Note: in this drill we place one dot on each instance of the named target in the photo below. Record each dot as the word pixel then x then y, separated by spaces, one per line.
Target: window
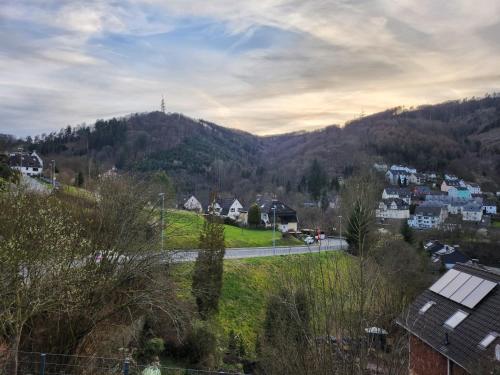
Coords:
pixel 426 307
pixel 457 318
pixel 490 337
pixel 232 209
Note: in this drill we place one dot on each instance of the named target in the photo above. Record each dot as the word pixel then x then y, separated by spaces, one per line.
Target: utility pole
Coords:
pixel 20 149
pixel 53 174
pixel 340 225
pixel 274 227
pixel 162 195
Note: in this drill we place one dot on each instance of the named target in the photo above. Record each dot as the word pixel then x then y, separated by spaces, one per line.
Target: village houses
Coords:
pixel 28 164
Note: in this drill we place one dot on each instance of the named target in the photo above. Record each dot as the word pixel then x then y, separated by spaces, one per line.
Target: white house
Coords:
pixel 428 217
pixel 193 204
pixel 393 192
pixel 394 208
pixel 398 172
pixel 417 178
pixel 472 212
pixel 451 177
pixel 473 188
pixel 28 164
pixel 230 207
pixel 403 168
pixel 490 207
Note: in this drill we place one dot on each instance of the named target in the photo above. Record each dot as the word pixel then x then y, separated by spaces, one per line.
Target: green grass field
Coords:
pixel 248 282
pixel 495 224
pixel 183 232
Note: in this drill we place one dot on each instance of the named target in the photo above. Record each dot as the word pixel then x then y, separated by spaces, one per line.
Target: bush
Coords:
pixel 154 346
pixel 201 346
pixel 229 221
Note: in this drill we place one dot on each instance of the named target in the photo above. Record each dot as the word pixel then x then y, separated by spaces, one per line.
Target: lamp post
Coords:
pixel 162 195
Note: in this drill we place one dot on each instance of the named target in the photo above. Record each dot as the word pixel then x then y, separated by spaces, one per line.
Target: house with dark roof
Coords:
pixel 273 210
pixel 490 207
pixel 428 217
pixel 396 192
pixel 443 255
pixel 393 208
pixel 447 184
pixel 399 173
pixel 472 212
pixel 28 164
pixel 454 325
pixel 229 207
pixel 473 187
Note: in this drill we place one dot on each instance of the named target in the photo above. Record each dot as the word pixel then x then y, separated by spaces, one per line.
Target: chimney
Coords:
pixel 446 339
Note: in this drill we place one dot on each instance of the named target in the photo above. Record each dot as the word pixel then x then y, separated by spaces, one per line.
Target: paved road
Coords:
pixel 331 244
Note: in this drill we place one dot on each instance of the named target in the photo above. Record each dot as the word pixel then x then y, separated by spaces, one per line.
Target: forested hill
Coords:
pixel 462 137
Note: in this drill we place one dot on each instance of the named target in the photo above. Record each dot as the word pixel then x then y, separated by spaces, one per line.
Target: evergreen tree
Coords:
pixel 254 215
pixel 208 269
pixel 302 185
pixel 325 202
pixel 358 227
pixel 79 179
pixel 407 232
pixel 317 180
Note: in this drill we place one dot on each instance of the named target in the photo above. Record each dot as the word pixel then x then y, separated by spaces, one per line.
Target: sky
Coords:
pixel 263 66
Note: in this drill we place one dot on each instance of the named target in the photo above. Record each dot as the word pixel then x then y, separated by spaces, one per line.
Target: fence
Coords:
pixel 35 363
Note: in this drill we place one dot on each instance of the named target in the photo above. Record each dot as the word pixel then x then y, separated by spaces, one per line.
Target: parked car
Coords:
pixel 321 236
pixel 309 240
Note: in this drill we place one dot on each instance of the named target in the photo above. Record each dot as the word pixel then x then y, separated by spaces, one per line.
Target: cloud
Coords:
pixel 265 66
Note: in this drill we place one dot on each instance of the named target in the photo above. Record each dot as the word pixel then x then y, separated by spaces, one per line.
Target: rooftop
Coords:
pixel 471 291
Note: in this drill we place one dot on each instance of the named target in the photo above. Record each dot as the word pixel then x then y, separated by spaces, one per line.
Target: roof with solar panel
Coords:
pixel 459 316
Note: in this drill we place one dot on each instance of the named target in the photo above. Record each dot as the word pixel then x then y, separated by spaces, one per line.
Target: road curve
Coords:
pixel 331 244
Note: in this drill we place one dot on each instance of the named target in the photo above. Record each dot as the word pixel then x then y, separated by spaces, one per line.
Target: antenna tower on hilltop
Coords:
pixel 162 105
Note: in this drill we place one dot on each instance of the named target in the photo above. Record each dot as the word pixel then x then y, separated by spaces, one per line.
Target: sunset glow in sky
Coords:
pixel 266 66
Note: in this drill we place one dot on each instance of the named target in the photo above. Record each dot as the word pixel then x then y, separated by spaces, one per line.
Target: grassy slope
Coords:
pixel 246 286
pixel 183 231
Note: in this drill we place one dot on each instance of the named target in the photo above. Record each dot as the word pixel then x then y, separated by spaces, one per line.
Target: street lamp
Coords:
pixel 162 195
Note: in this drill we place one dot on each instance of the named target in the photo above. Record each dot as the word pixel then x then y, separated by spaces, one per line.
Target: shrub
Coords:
pixel 201 345
pixel 154 346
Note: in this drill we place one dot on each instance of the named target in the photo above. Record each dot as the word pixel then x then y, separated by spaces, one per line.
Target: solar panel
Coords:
pixel 463 288
pixel 444 280
pixel 478 294
pixel 466 289
pixel 455 284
